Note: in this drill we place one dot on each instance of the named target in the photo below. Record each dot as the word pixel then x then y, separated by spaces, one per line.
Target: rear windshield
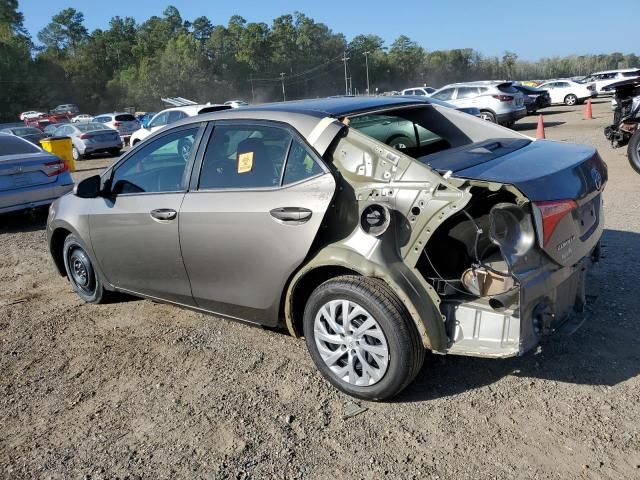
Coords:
pixel 89 127
pixel 11 145
pixel 125 117
pixel 507 88
pixel 25 131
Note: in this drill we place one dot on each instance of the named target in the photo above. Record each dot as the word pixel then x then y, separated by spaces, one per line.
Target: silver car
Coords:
pixel 498 102
pixel 29 176
pixel 89 138
pixel 299 215
pixel 124 123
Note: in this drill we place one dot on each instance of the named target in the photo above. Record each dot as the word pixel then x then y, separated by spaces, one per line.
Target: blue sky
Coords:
pixel 532 29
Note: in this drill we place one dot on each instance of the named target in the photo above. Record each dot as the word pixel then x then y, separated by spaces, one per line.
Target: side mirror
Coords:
pixel 88 188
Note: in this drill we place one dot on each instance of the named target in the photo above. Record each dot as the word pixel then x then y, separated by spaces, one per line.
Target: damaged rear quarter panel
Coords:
pixel 419 200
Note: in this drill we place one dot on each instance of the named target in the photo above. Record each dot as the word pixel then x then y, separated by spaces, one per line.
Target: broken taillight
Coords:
pixel 552 212
pixel 54 168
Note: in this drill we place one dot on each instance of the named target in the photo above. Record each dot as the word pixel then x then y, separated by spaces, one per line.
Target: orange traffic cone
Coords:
pixel 588 114
pixel 540 130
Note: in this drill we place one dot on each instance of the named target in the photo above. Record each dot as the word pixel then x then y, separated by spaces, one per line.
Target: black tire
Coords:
pixel 400 142
pixel 488 116
pixel 406 352
pixel 633 150
pixel 76 261
pixel 570 100
pixel 115 152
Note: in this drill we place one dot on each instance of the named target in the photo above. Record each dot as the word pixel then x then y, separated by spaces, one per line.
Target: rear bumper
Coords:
pixel 540 306
pixel 35 196
pixel 511 117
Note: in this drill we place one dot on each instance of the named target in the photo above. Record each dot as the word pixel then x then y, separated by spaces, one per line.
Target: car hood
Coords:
pixel 541 170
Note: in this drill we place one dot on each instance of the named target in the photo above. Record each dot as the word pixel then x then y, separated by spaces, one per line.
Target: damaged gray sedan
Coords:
pixel 377 228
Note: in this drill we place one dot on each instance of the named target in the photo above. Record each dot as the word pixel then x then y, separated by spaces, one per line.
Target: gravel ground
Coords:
pixel 138 389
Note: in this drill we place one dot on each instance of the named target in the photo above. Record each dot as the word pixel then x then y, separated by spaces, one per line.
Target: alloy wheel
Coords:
pixel 351 343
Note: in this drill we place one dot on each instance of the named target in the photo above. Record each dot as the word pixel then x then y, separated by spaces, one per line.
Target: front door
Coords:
pixel 251 220
pixel 134 231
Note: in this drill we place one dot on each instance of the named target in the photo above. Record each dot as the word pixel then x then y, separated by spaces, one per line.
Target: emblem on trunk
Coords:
pixel 597 178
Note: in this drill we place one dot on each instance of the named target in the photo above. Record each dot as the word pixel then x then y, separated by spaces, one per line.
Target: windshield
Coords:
pixel 25 131
pixel 12 145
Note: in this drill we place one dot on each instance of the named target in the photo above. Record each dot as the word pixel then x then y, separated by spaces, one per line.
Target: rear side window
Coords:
pixel 444 94
pixel 175 115
pixel 300 165
pixel 467 92
pixel 11 145
pixel 103 119
pixel 125 117
pixel 244 156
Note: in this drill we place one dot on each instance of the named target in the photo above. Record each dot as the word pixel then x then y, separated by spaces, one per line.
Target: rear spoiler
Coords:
pixel 214 108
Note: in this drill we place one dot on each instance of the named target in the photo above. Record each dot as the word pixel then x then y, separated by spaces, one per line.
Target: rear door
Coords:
pixel 251 216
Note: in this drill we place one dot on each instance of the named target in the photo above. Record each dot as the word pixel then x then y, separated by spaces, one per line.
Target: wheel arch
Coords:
pixel 335 262
pixel 56 244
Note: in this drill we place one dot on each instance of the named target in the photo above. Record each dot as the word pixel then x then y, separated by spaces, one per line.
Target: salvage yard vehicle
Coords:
pixel 286 215
pixel 535 98
pixel 125 123
pixel 568 92
pixel 33 134
pixel 171 115
pixel 498 101
pixel 29 176
pixel 626 118
pixel 90 138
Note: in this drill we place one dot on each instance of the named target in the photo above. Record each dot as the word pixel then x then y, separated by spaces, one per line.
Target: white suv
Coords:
pixel 170 115
pixel 498 101
pixel 123 122
pixel 420 91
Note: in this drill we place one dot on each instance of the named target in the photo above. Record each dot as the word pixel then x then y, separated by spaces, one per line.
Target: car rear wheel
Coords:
pixel 361 337
pixel 76 154
pixel 115 152
pixel 81 274
pixel 570 100
pixel 488 116
pixel 633 150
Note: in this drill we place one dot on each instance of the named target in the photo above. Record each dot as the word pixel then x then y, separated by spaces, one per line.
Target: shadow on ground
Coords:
pixel 520 126
pixel 603 352
pixel 24 221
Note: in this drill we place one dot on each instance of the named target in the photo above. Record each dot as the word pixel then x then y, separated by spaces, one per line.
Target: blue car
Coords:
pixel 29 176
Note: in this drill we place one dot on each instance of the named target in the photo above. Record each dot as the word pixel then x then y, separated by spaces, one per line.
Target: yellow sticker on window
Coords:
pixel 245 162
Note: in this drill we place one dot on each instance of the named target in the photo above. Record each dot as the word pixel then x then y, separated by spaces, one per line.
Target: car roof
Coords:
pixel 192 110
pixel 335 107
pixel 621 70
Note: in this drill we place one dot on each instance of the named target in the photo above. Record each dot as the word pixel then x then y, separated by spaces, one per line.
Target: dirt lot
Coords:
pixel 138 389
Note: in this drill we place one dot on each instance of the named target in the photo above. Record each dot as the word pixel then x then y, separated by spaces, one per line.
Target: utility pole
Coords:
pixel 284 95
pixel 366 62
pixel 346 81
pixel 253 95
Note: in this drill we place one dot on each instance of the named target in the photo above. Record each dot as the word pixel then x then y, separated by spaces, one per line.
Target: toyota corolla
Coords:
pixel 463 238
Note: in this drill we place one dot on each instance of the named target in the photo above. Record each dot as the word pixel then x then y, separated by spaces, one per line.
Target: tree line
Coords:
pixel 133 65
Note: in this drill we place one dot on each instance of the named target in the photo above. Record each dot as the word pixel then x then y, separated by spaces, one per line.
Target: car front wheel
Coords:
pixel 81 274
pixel 488 116
pixel 570 100
pixel 361 337
pixel 76 154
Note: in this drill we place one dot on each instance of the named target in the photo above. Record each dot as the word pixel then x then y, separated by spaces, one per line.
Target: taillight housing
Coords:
pixel 116 124
pixel 503 98
pixel 55 168
pixel 84 136
pixel 551 213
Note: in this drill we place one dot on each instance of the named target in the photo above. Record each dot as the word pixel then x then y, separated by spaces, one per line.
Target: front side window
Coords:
pixel 176 115
pixel 160 120
pixel 160 166
pixel 240 156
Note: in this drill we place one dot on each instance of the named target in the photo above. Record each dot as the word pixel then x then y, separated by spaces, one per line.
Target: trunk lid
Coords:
pixel 544 171
pixel 25 170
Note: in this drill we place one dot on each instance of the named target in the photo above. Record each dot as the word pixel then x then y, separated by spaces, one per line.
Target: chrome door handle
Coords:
pixel 291 214
pixel 163 214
